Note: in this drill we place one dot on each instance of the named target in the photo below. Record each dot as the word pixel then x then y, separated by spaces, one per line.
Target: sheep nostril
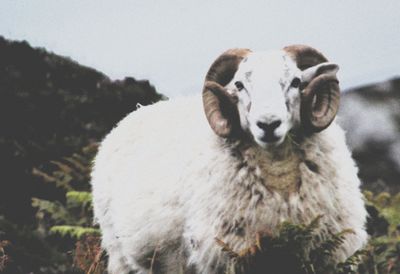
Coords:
pixel 269 126
pixel 275 124
pixel 262 125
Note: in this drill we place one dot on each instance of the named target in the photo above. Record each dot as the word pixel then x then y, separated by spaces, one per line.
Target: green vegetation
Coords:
pixel 71 221
pixel 383 252
pixel 292 251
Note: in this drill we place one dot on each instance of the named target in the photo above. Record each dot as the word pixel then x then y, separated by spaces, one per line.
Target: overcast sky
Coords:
pixel 172 43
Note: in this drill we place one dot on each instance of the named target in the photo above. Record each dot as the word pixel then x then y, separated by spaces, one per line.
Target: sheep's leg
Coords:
pixel 117 264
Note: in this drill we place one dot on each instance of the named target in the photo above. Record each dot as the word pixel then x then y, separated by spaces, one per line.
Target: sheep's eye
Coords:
pixel 239 85
pixel 295 83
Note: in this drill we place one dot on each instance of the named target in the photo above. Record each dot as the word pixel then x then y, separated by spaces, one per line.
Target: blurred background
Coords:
pixel 70 70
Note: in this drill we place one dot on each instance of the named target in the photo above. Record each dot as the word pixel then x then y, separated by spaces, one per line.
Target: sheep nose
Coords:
pixel 269 130
pixel 269 127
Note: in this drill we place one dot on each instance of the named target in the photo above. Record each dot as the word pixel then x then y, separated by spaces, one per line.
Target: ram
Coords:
pixel 169 180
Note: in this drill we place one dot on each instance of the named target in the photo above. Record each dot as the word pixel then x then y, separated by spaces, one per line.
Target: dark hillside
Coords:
pixel 370 115
pixel 50 106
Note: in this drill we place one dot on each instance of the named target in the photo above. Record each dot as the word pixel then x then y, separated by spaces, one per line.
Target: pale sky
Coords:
pixel 172 43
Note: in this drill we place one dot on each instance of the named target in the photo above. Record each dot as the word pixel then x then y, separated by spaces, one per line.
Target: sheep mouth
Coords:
pixel 268 140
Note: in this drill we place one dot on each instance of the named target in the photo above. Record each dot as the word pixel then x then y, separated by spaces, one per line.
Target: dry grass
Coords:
pixel 4 258
pixel 89 256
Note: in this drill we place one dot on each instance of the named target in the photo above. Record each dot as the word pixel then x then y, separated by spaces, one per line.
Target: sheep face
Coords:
pixel 267 88
pixel 268 94
pixel 268 104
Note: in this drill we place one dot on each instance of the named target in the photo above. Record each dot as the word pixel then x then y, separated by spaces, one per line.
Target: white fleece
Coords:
pixel 165 185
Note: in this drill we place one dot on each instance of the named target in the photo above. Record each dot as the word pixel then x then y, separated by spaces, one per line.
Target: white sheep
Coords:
pixel 168 180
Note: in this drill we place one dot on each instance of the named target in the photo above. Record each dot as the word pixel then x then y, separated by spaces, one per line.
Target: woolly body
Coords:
pixel 164 184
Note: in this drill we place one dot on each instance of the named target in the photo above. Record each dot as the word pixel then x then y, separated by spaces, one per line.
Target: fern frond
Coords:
pixel 74 231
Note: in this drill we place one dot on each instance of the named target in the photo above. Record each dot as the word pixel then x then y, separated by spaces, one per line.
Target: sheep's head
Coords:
pixel 268 94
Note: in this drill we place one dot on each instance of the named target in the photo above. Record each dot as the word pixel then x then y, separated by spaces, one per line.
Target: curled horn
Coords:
pixel 320 97
pixel 219 105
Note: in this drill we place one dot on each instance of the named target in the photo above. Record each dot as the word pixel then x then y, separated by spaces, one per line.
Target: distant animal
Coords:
pixel 169 180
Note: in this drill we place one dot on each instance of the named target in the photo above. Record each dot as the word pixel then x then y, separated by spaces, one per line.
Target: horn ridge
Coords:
pixel 319 103
pixel 305 56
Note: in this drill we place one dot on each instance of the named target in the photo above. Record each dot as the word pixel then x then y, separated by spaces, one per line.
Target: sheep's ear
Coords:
pixel 219 106
pixel 323 68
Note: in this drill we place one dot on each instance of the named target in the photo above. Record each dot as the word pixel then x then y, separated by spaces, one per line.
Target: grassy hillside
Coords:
pixel 50 107
pixel 370 114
